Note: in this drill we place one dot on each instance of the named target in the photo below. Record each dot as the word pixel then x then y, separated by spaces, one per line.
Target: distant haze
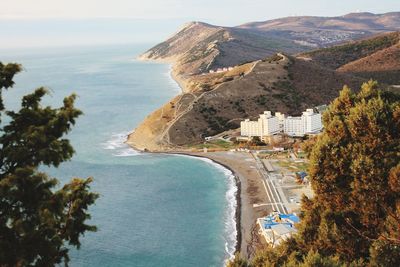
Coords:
pixel 26 23
pixel 17 33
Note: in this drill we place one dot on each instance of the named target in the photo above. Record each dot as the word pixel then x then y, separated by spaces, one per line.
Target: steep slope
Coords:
pixel 199 47
pixel 277 83
pixel 377 58
pixel 212 102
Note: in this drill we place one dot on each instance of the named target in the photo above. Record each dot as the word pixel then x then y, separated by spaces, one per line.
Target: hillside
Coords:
pixel 199 47
pixel 277 83
pixel 255 78
pixel 374 58
pixel 327 31
pixel 383 65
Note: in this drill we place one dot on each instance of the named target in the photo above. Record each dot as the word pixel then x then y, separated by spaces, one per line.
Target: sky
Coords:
pixel 57 22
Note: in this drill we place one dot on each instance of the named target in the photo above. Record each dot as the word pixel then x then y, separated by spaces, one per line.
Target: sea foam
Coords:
pixel 230 230
pixel 117 144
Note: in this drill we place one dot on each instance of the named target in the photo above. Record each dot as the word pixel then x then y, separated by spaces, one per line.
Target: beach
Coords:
pixel 251 191
pixel 250 188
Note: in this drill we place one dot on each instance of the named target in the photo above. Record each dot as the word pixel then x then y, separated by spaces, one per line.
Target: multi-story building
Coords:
pixel 250 128
pixel 309 122
pixel 266 125
pixel 281 117
pixel 293 126
pixel 313 121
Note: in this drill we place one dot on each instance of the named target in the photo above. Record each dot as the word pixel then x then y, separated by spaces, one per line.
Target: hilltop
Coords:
pixel 256 78
pixel 199 47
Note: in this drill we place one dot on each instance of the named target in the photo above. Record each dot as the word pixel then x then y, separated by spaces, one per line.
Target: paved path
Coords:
pixel 276 197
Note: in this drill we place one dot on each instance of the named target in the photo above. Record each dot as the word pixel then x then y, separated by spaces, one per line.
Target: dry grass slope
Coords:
pixel 277 83
pixel 375 58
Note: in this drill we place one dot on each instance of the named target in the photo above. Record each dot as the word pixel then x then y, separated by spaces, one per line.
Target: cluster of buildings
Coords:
pixel 221 70
pixel 277 227
pixel 309 122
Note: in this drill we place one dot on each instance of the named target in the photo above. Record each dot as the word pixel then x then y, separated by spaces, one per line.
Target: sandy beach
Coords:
pixel 244 167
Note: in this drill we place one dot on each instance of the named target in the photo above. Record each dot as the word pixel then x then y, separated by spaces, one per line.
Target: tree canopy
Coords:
pixel 39 220
pixel 354 217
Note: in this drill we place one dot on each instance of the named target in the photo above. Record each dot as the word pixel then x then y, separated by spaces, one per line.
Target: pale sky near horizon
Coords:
pixel 227 12
pixel 72 22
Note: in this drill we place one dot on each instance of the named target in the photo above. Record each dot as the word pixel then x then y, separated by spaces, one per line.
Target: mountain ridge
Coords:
pixel 199 47
pixel 229 74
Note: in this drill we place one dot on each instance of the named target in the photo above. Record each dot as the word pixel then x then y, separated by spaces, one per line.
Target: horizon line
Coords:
pixel 21 18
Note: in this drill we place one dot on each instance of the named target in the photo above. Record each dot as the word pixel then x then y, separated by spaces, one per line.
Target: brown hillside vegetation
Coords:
pixel 199 47
pixel 215 102
pixel 337 56
pixel 276 84
pixel 375 58
pixel 383 65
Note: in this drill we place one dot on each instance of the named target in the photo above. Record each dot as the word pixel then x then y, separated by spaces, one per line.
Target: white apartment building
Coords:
pixel 281 118
pixel 294 126
pixel 250 128
pixel 268 125
pixel 313 121
pixel 308 123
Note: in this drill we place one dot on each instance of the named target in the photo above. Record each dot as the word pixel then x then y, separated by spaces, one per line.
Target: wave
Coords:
pixel 118 146
pixel 230 234
pixel 171 80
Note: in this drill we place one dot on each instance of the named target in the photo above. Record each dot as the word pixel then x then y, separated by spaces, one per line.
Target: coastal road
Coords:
pixel 275 199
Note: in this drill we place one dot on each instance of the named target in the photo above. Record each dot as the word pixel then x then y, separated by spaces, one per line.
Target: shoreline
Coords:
pixel 248 188
pixel 237 194
pixel 172 74
pixel 249 192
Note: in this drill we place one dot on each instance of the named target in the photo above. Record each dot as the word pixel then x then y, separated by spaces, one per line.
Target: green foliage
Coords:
pixel 350 169
pixel 37 222
pixel 256 141
pixel 7 73
pixel 354 217
pixel 238 261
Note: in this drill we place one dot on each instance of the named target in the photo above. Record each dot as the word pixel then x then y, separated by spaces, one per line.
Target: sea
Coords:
pixel 154 209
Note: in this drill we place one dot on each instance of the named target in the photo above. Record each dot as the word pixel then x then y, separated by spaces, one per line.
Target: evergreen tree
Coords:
pixel 354 174
pixel 37 222
pixel 354 217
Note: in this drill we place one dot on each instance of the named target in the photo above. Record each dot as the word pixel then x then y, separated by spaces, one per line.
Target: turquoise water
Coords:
pixel 153 210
